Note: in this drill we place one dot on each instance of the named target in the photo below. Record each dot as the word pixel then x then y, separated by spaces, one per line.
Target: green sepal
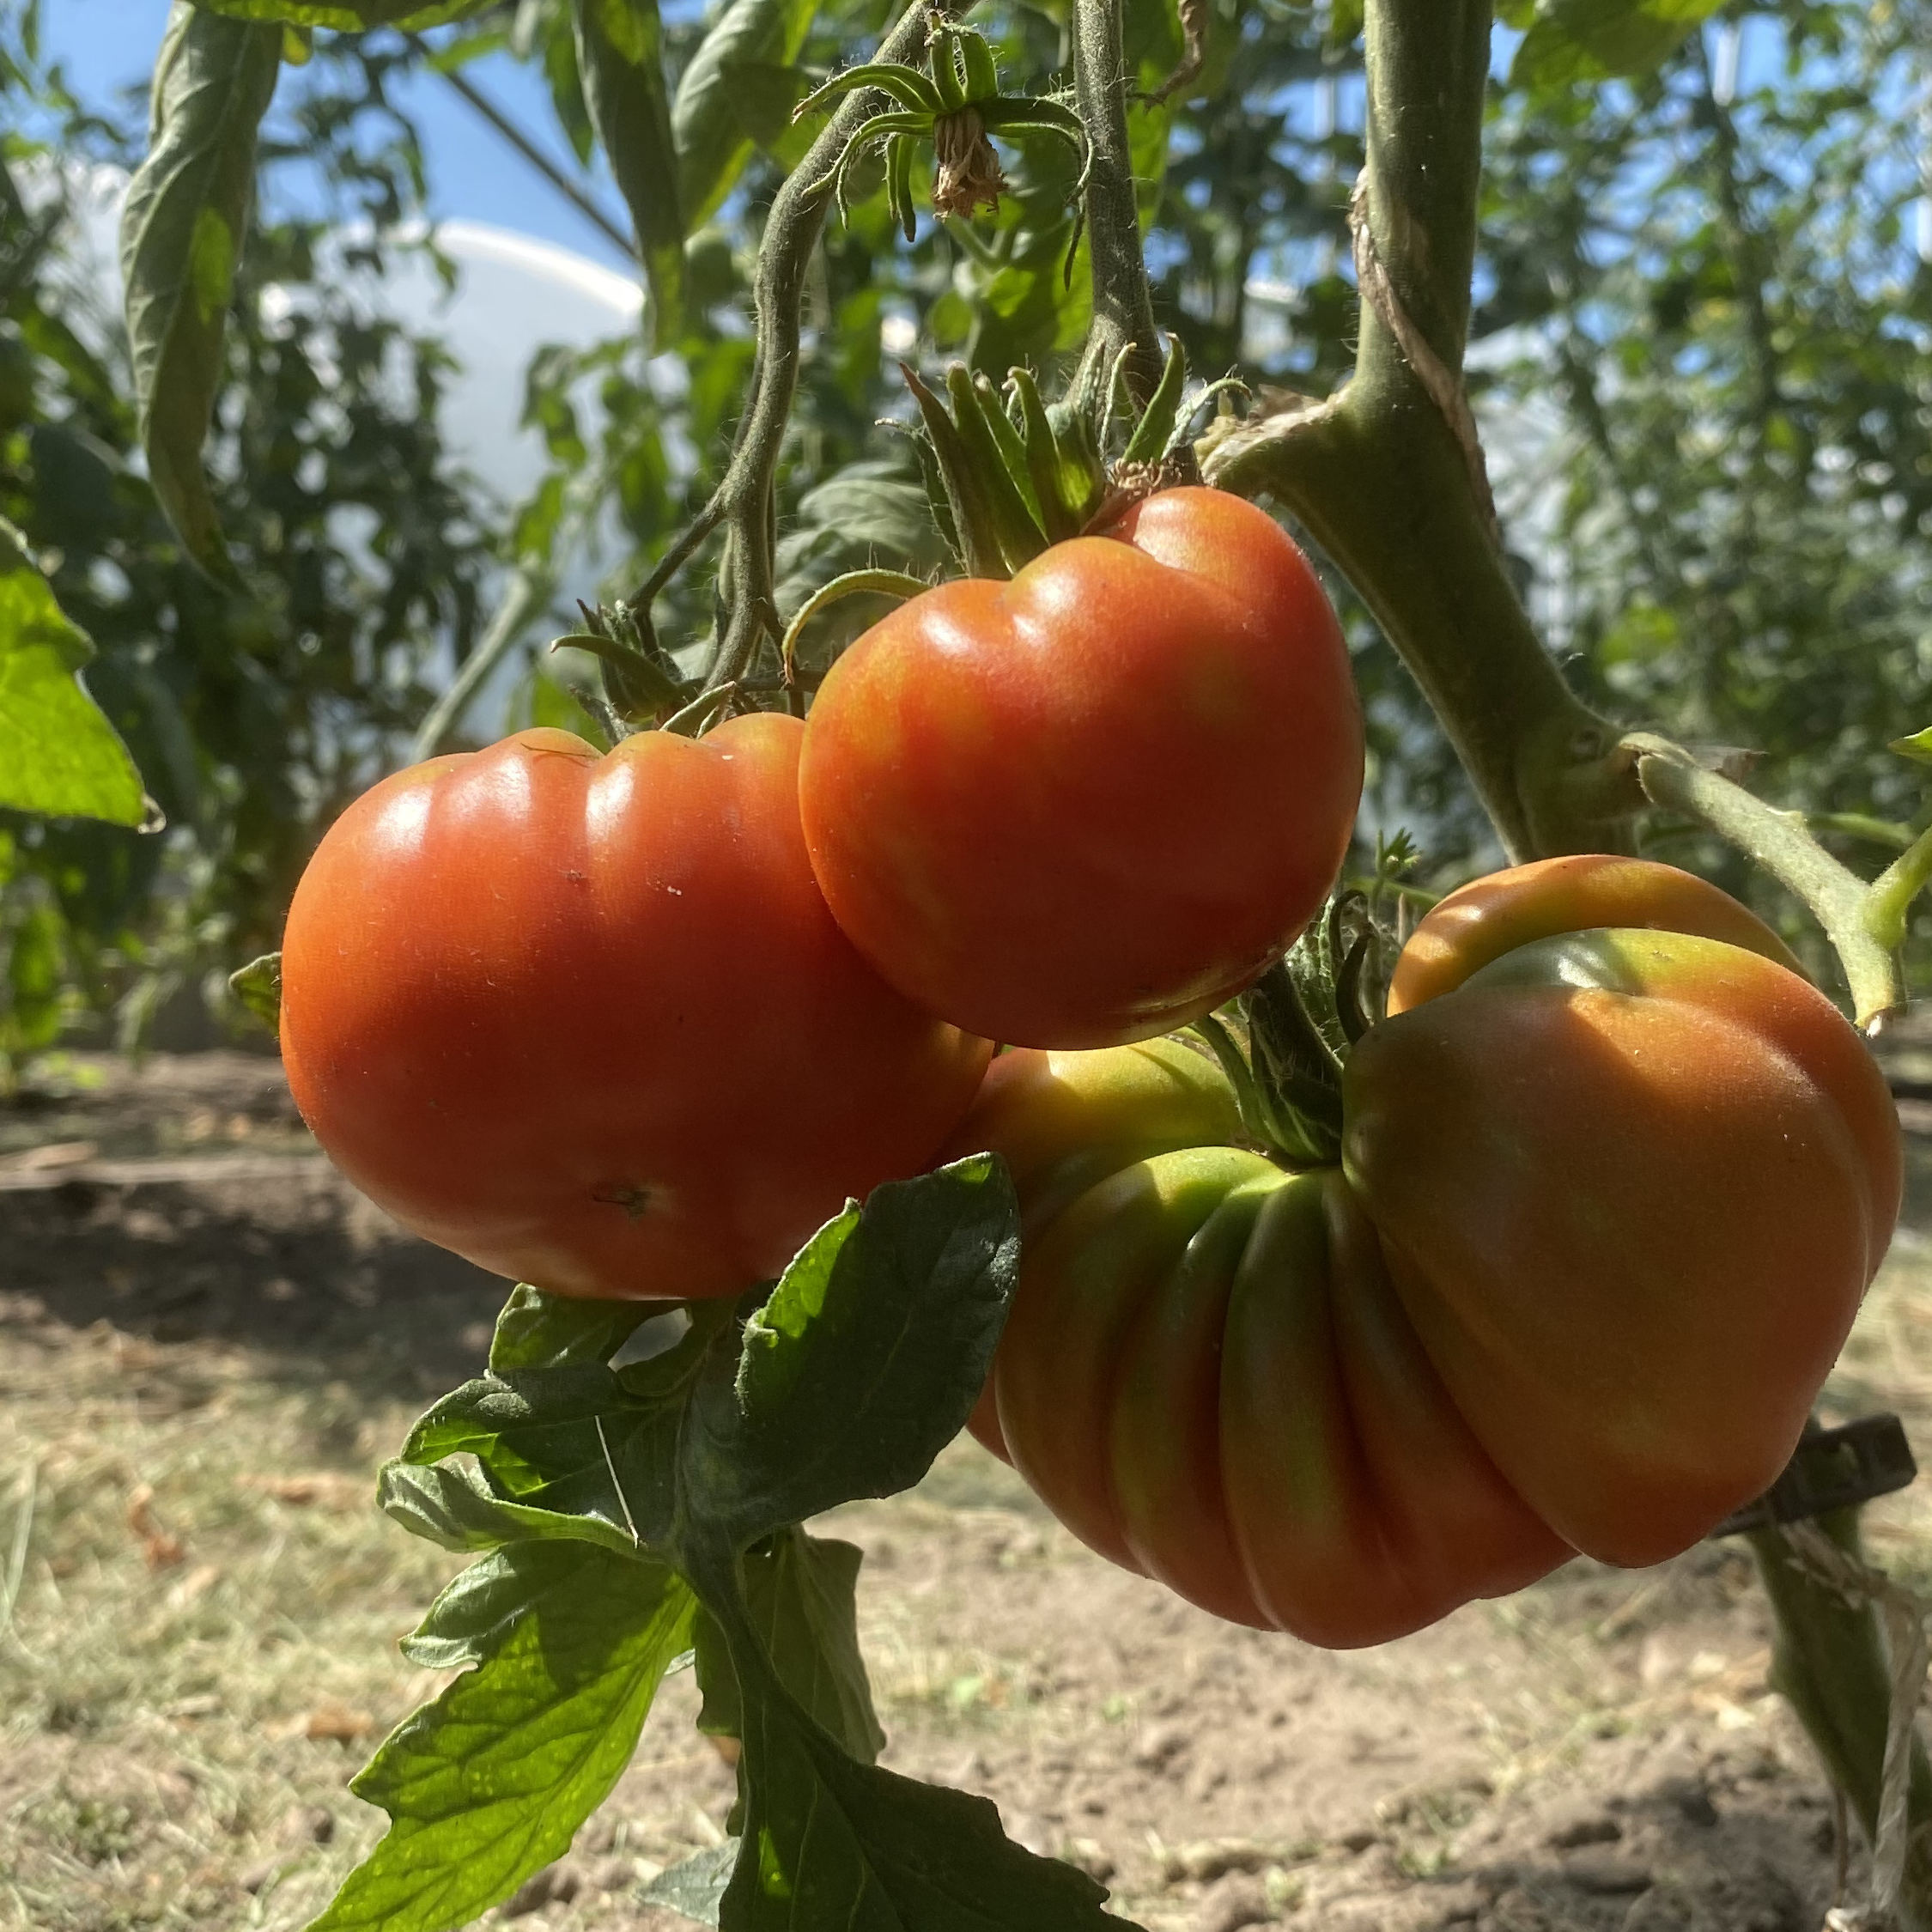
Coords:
pixel 1063 461
pixel 640 681
pixel 1016 526
pixel 975 56
pixel 898 184
pixel 884 127
pixel 947 81
pixel 1917 746
pixel 1017 113
pixel 257 986
pixel 976 535
pixel 1012 446
pixel 1149 441
pixel 968 52
pixel 907 85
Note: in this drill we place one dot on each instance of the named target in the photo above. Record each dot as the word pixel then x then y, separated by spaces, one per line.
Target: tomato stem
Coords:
pixel 1123 302
pixel 744 500
pixel 1864 923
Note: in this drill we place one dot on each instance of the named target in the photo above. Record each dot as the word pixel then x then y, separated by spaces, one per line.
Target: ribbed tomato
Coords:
pixel 1088 805
pixel 586 1020
pixel 1608 1202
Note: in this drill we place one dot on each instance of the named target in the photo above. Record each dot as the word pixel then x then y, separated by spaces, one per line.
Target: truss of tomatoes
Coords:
pixel 1615 1177
pixel 634 1024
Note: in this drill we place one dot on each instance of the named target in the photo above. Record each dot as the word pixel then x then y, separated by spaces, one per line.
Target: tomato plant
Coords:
pixel 1605 1211
pixel 586 1020
pixel 1086 805
pixel 1574 1233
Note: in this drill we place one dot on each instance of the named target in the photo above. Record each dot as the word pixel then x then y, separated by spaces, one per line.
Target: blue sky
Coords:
pixel 106 47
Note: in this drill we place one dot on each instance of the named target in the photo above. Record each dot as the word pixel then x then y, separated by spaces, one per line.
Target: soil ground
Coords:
pixel 208 1342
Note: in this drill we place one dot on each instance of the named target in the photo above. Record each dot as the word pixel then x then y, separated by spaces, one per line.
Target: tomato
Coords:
pixel 587 1021
pixel 1206 1374
pixel 1608 1200
pixel 1488 917
pixel 1085 806
pixel 1632 1186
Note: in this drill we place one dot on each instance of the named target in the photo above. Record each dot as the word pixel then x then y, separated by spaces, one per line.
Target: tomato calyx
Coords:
pixel 955 104
pixel 1009 476
pixel 1284 1043
pixel 641 683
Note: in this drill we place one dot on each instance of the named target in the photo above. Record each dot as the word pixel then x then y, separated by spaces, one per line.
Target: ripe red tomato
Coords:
pixel 586 1020
pixel 1631 1185
pixel 1089 805
pixel 1608 1206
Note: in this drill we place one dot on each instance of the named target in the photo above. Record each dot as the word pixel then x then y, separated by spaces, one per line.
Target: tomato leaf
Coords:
pixel 350 16
pixel 58 754
pixel 717 117
pixel 480 1608
pixel 540 1331
pixel 864 1361
pixel 828 1840
pixel 801 1592
pixel 452 1508
pixel 182 230
pixel 1918 746
pixel 1595 39
pixel 488 1784
pixel 620 50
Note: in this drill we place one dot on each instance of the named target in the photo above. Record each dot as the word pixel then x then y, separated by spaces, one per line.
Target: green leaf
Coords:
pixel 1595 40
pixel 58 754
pixel 537 1330
pixel 620 60
pixel 182 230
pixel 865 1361
pixel 801 1592
pixel 828 1841
pixel 475 1615
pixel 694 1888
pixel 257 986
pixel 489 1784
pixel 452 1508
pixel 350 16
pixel 1918 746
pixel 716 118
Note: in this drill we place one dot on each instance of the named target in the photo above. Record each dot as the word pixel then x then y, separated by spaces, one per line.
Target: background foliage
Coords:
pixel 1703 357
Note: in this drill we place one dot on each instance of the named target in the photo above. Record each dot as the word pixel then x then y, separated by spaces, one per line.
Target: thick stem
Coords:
pixel 1123 302
pixel 746 500
pixel 1387 477
pixel 1388 497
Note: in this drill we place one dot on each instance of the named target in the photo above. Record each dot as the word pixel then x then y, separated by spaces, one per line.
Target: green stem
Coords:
pixel 1377 479
pixel 1852 913
pixel 746 499
pixel 1893 891
pixel 1123 302
pixel 1388 475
